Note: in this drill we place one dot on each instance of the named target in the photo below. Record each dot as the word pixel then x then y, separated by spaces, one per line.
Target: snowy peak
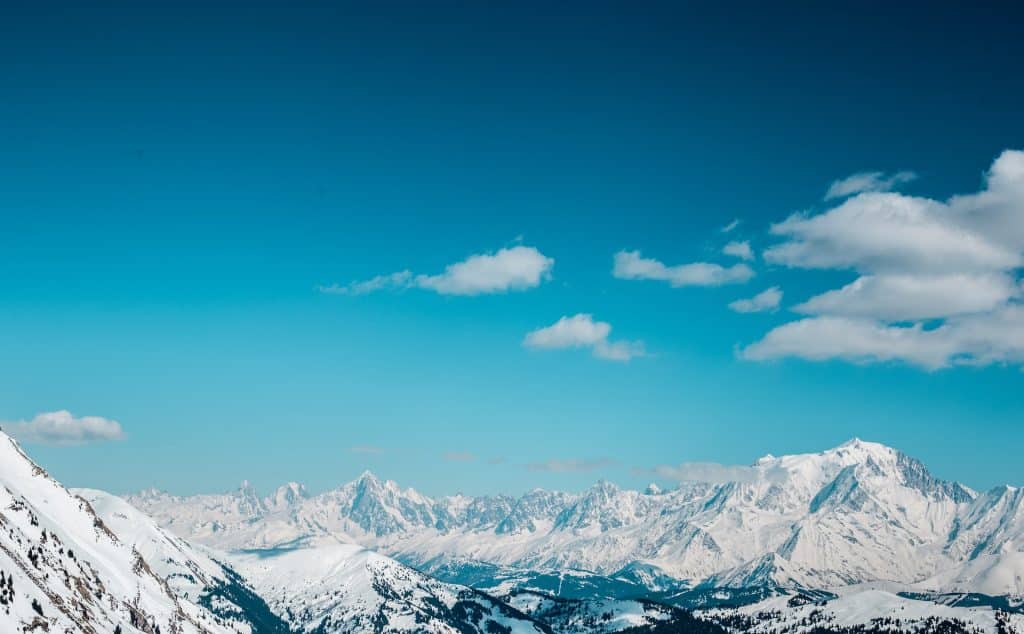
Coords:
pixel 286 496
pixel 381 507
pixel 603 506
pixel 345 589
pixel 870 461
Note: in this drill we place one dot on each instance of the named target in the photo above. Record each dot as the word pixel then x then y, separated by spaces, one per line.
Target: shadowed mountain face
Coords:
pixel 861 512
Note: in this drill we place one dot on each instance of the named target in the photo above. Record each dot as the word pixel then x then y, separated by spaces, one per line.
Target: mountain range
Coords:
pixel 858 513
pixel 859 538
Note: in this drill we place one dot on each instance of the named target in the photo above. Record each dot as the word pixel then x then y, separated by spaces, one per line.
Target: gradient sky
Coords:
pixel 177 182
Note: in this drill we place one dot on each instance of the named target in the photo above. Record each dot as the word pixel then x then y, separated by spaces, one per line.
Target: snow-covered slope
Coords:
pixel 192 574
pixel 64 570
pixel 860 512
pixel 862 610
pixel 343 588
pixel 89 562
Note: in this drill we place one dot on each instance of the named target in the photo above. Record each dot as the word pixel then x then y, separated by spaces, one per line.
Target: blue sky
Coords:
pixel 180 181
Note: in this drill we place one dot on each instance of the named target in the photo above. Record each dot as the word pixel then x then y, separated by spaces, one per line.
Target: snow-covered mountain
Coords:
pixel 85 561
pixel 192 573
pixel 792 550
pixel 62 568
pixel 858 513
pixel 344 588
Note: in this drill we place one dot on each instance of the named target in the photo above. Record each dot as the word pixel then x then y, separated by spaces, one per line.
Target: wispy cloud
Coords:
pixel 510 269
pixel 62 428
pixel 631 265
pixel 715 473
pixel 581 331
pixel 458 456
pixel 732 225
pixel 867 182
pixel 766 300
pixel 401 279
pixel 739 249
pixel 573 465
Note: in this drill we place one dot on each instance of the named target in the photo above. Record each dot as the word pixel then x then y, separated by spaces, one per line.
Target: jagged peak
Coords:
pixel 368 477
pixel 288 493
pixel 151 492
pixel 297 487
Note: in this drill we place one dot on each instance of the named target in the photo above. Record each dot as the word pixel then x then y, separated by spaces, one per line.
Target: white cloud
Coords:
pixel 401 279
pixel 879 233
pixel 998 210
pixel 858 341
pixel 630 265
pixel 581 331
pixel 914 297
pixel 767 299
pixel 867 182
pixel 715 473
pixel 516 268
pixel 619 350
pixel 62 428
pixel 569 332
pixel 572 466
pixel 739 249
pixel 980 339
pixel 510 269
pixel 732 225
pixel 938 280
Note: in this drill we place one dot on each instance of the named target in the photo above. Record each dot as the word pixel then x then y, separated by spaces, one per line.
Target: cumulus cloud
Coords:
pixel 516 268
pixel 980 339
pixel 631 265
pixel 738 249
pixel 511 269
pixel 938 281
pixel 569 332
pixel 581 331
pixel 881 233
pixel 766 300
pixel 715 473
pixel 867 182
pixel 997 211
pixel 914 297
pixel 855 340
pixel 573 465
pixel 458 456
pixel 62 428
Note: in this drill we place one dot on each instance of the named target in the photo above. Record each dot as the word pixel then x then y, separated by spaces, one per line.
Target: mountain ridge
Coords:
pixel 800 520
